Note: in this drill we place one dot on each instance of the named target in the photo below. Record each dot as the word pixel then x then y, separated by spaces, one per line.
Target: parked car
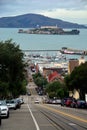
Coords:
pixel 20 100
pixel 63 101
pixel 67 101
pixel 4 109
pixel 13 104
pixel 0 117
pixel 80 104
pixel 73 103
pixel 49 101
pixel 56 101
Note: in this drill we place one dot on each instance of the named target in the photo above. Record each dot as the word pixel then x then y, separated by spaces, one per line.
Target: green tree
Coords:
pixel 39 80
pixel 11 66
pixel 56 89
pixel 4 89
pixel 36 75
pixel 78 79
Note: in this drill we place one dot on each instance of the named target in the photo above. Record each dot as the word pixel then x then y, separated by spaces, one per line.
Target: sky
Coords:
pixel 68 10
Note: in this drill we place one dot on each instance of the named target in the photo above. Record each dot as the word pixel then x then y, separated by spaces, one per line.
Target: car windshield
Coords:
pixel 12 102
pixel 2 103
pixel 81 101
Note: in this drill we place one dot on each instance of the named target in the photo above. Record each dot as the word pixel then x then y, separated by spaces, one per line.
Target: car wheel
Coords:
pixel 83 106
pixel 0 121
pixel 72 105
pixel 76 106
pixel 8 115
pixel 15 108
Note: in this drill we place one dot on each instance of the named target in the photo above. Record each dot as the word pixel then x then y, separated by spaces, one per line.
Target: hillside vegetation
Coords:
pixel 34 20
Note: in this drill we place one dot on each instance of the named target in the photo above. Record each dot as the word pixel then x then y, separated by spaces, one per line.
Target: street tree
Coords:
pixel 39 80
pixel 56 89
pixel 11 68
pixel 78 79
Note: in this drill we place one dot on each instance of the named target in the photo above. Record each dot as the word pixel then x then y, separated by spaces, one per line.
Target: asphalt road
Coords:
pixel 33 116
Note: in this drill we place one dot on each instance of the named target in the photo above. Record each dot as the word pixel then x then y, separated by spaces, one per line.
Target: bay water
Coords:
pixel 44 42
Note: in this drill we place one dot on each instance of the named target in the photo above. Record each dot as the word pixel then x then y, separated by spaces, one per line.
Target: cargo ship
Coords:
pixel 70 51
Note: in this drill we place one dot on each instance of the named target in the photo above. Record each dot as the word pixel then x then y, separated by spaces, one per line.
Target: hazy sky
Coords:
pixel 68 10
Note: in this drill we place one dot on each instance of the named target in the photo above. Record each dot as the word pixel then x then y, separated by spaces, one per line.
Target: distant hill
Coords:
pixel 32 20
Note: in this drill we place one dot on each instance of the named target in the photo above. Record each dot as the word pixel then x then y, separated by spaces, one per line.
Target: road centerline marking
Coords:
pixel 36 124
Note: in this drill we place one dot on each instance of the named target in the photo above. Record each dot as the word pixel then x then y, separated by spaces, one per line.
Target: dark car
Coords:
pixel 67 101
pixel 80 104
pixel 73 103
pixel 20 100
pixel 28 93
pixel 63 101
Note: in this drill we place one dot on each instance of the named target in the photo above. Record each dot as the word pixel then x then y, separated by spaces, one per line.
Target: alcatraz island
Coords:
pixel 50 30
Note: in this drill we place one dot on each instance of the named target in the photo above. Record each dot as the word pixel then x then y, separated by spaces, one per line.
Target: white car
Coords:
pixel 12 104
pixel 0 116
pixel 4 109
pixel 36 101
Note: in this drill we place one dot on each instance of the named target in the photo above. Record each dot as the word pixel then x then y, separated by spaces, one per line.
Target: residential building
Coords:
pixel 72 64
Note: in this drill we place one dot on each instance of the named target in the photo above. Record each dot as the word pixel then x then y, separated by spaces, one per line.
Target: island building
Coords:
pixel 51 27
